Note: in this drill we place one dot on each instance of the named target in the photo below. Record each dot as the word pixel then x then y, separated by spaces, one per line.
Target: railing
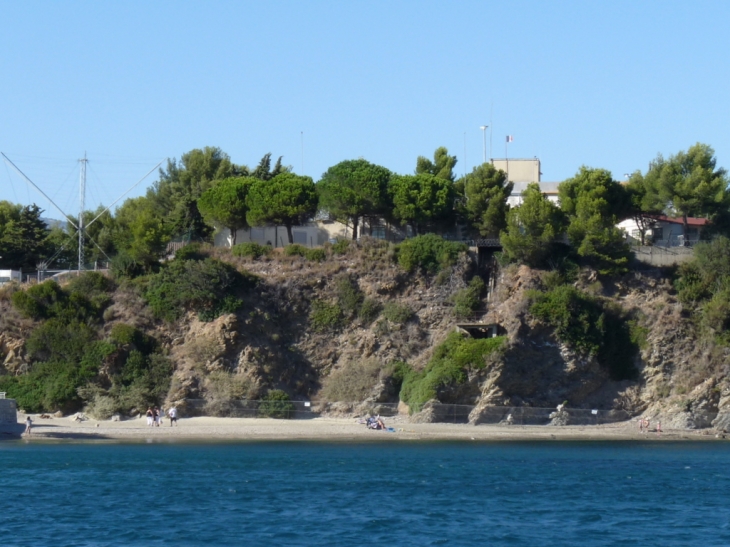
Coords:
pixel 428 412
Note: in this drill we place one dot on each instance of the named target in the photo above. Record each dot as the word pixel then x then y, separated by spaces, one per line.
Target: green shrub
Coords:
pixel 325 316
pixel 468 300
pixel 638 334
pixel 316 255
pixel 124 266
pixel 127 335
pixel 429 253
pixel 691 284
pixel 586 325
pixel 716 316
pixel 277 404
pixel 40 301
pixel 341 246
pixel 54 384
pixel 295 250
pixel 369 310
pixel 252 250
pixel 90 283
pixel 397 313
pixel 48 300
pixel 449 366
pixel 191 251
pixel 349 296
pixel 208 287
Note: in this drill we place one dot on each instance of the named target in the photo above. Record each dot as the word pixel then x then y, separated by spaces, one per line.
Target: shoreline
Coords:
pixel 213 429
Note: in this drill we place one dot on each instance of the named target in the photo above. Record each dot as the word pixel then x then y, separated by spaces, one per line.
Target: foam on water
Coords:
pixel 546 494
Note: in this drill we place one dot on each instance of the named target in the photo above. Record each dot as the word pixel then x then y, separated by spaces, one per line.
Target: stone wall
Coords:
pixel 8 411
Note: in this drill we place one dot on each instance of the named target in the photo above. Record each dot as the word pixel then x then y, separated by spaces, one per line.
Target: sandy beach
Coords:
pixel 337 429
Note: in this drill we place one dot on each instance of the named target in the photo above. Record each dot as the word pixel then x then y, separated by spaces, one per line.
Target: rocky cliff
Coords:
pixel 273 342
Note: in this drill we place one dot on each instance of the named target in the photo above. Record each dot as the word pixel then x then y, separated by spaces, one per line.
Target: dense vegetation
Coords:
pixel 450 365
pixel 73 363
pixel 79 356
pixel 591 326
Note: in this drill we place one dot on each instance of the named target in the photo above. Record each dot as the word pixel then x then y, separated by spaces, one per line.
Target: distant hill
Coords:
pixel 54 223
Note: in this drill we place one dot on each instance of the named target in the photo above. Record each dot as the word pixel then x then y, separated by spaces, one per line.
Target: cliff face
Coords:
pixel 272 343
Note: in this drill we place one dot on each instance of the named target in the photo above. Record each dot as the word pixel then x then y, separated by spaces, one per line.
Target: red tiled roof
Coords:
pixel 691 221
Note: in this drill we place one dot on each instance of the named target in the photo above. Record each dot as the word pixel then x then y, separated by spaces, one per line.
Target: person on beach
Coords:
pixel 156 416
pixel 641 425
pixel 172 413
pixel 150 416
pixel 28 425
pixel 658 428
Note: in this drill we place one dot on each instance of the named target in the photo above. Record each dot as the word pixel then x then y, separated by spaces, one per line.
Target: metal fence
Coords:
pixel 427 413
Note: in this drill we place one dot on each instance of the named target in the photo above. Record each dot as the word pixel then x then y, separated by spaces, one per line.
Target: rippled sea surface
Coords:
pixel 542 494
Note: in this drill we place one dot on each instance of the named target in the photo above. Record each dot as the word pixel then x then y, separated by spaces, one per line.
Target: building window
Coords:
pixel 378 232
pixel 658 234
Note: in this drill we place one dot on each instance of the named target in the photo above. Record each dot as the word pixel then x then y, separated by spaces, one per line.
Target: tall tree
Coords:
pixel 263 170
pixel 691 184
pixel 532 228
pixel 287 199
pixel 421 201
pixel 140 231
pixel 354 189
pixel 442 165
pixel 175 195
pixel 645 206
pixel 224 204
pixel 24 240
pixel 594 203
pixel 486 191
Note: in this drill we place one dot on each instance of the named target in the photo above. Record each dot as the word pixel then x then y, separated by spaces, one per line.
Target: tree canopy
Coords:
pixel 594 203
pixel 354 189
pixel 421 201
pixel 486 190
pixel 23 235
pixel 690 184
pixel 176 193
pixel 224 204
pixel 287 199
pixel 442 165
pixel 532 228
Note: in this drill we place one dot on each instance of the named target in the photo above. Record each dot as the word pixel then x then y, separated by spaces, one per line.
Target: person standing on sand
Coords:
pixel 156 416
pixel 150 416
pixel 28 425
pixel 172 413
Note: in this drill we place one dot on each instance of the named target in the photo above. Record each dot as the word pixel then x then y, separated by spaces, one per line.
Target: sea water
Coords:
pixel 396 493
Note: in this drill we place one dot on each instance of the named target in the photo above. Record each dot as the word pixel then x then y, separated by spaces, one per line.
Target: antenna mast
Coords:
pixel 82 199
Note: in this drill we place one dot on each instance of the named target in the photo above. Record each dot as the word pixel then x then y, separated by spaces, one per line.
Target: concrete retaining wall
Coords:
pixel 8 411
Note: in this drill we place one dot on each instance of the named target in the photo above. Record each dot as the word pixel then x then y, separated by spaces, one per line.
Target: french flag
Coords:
pixel 510 138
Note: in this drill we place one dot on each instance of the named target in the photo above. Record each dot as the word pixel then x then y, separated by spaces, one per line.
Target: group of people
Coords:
pixel 156 415
pixel 644 424
pixel 375 422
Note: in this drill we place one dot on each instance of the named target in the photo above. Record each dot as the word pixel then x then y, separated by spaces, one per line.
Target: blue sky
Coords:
pixel 605 84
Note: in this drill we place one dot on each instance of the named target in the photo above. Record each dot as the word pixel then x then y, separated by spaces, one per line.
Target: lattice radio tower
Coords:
pixel 81 228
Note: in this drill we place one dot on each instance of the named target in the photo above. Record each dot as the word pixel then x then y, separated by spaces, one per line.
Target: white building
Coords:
pixel 666 231
pixel 7 276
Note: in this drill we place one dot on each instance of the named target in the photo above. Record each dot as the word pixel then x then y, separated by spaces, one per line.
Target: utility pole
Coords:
pixel 82 200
